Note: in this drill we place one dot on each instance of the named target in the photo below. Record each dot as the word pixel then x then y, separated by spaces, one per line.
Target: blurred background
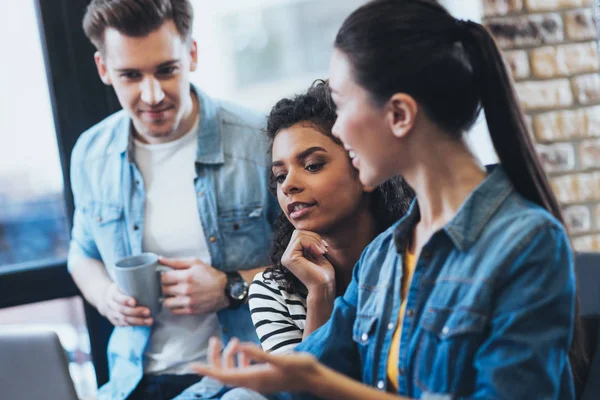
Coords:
pixel 252 52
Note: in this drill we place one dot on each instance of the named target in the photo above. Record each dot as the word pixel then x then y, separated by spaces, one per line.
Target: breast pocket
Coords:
pixel 108 229
pixel 245 239
pixel 364 333
pixel 448 341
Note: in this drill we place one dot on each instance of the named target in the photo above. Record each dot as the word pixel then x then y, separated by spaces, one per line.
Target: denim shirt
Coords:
pixel 235 207
pixel 490 310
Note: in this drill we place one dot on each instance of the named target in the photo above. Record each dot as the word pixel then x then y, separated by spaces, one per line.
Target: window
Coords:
pixel 33 224
pixel 256 52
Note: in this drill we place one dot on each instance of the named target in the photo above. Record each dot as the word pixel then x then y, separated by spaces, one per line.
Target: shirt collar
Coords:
pixel 472 216
pixel 210 144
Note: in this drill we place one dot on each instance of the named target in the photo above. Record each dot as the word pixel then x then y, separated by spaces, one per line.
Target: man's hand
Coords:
pixel 121 310
pixel 194 287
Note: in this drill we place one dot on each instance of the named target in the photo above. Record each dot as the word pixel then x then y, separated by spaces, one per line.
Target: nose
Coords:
pixel 334 130
pixel 291 185
pixel 152 92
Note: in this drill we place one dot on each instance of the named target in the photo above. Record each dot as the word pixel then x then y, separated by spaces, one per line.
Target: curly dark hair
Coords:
pixel 389 201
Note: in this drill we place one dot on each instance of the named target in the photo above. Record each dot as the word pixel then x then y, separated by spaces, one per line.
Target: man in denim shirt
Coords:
pixel 174 173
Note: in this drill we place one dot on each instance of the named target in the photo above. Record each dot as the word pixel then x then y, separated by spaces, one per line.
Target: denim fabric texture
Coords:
pixel 236 209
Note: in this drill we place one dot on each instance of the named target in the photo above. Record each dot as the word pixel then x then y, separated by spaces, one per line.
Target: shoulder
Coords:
pixel 234 115
pixel 518 223
pixel 376 255
pixel 243 135
pixel 268 289
pixel 101 138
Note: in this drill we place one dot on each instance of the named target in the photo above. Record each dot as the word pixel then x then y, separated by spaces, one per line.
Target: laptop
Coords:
pixel 33 365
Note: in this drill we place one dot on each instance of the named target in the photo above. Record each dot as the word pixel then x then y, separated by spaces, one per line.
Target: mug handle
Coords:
pixel 160 268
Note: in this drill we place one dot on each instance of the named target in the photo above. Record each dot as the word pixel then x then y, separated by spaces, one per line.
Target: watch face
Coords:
pixel 238 290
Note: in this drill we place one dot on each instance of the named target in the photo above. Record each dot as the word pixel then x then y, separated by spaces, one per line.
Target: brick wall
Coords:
pixel 552 50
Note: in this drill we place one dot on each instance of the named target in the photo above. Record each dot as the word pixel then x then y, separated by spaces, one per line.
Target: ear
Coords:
pixel 102 69
pixel 402 114
pixel 193 55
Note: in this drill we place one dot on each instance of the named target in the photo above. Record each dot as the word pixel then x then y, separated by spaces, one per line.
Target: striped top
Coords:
pixel 278 316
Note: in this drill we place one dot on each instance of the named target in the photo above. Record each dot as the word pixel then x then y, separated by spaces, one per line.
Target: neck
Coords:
pixel 189 116
pixel 346 243
pixel 444 177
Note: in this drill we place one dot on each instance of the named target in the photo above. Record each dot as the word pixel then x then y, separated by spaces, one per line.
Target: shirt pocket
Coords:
pixel 108 229
pixel 364 334
pixel 245 240
pixel 448 341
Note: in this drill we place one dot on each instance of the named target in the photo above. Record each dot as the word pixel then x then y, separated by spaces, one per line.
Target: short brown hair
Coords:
pixel 136 18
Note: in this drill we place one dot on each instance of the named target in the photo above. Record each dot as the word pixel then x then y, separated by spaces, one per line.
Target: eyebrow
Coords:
pixel 161 65
pixel 301 156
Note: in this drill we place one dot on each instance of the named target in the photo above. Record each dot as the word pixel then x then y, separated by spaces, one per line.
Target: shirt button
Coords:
pixel 212 239
pixel 381 385
pixel 224 330
pixel 445 330
pixel 99 219
pixel 135 227
pixel 410 313
pixel 391 326
pixel 364 337
pixel 401 371
pixel 200 194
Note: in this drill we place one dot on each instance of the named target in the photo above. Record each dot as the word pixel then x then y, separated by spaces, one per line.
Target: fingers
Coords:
pixel 214 352
pixel 121 314
pixel 228 359
pixel 243 359
pixel 119 319
pixel 175 277
pixel 312 241
pixel 180 263
pixel 117 296
pixel 316 236
pixel 255 353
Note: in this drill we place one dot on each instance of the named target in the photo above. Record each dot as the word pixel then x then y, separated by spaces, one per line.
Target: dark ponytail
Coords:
pixel 453 69
pixel 514 147
pixel 505 120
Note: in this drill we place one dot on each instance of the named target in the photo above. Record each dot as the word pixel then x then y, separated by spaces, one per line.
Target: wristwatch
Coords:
pixel 236 289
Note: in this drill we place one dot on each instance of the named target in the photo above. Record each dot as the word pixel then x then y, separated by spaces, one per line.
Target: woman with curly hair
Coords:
pixel 328 217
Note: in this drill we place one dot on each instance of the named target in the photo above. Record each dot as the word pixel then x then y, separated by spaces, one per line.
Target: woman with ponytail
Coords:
pixel 472 294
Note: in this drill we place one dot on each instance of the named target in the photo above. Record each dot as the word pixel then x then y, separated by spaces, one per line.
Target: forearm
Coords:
pixel 331 385
pixel 91 278
pixel 249 274
pixel 319 306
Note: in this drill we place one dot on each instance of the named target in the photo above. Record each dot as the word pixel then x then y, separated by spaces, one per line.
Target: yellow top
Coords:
pixel 392 369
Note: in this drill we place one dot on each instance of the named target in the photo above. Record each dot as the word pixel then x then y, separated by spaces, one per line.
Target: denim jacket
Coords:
pixel 235 207
pixel 490 310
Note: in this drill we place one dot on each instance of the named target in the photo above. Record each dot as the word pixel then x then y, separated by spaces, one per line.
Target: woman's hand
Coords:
pixel 305 258
pixel 276 373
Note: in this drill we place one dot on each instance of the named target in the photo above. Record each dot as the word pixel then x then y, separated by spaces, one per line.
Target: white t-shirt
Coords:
pixel 172 228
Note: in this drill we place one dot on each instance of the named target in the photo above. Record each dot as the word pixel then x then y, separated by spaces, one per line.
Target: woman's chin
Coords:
pixel 370 177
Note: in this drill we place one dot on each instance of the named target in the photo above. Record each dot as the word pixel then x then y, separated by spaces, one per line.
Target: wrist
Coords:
pixel 320 293
pixel 317 376
pixel 224 302
pixel 100 299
